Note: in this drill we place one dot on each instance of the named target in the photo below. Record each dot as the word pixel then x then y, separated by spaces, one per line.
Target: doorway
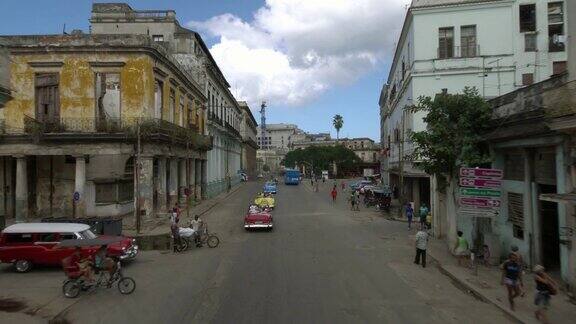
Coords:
pixel 550 232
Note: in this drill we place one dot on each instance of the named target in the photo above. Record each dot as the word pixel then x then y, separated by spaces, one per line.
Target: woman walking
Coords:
pixel 334 193
pixel 461 248
pixel 512 278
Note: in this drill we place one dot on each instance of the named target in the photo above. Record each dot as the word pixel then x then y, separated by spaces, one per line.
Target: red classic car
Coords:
pixel 261 219
pixel 26 244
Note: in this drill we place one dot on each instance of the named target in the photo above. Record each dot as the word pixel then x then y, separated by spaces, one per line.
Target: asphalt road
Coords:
pixel 322 264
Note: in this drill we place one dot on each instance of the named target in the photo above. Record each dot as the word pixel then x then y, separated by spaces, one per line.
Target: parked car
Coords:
pixel 260 220
pixel 28 244
pixel 359 184
pixel 270 187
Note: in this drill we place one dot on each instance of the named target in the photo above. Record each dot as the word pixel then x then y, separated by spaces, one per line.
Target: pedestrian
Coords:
pixel 514 250
pixel 461 248
pixel 395 192
pixel 512 278
pixel 352 199
pixel 546 287
pixel 343 185
pixel 421 244
pixel 409 214
pixel 334 193
pixel 197 226
pixel 423 214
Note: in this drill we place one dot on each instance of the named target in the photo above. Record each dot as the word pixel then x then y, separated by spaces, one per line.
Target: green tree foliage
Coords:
pixel 338 122
pixel 452 137
pixel 322 157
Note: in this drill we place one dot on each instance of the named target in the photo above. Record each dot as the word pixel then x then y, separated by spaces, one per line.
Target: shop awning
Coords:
pixel 569 198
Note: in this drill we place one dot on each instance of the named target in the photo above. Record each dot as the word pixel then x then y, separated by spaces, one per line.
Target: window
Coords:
pixel 114 192
pixel 527 79
pixel 446 42
pixel 514 166
pixel 468 41
pixel 530 44
pixel 559 67
pixel 527 18
pixel 47 97
pixel 158 98
pixel 46 237
pixel 181 112
pixel 19 238
pixel 172 108
pixel 68 236
pixel 555 26
pixel 108 95
pixel 516 213
pixel 158 38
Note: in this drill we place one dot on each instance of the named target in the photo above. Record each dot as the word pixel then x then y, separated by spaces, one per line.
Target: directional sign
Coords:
pixel 480 202
pixel 476 212
pixel 481 173
pixel 480 183
pixel 480 192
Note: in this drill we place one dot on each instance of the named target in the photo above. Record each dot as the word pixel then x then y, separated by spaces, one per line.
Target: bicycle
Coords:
pixel 206 238
pixel 76 283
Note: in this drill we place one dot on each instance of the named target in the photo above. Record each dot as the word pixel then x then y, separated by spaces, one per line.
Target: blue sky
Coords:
pixel 316 69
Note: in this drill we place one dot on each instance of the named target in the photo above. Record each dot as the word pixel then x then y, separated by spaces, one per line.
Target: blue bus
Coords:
pixel 292 177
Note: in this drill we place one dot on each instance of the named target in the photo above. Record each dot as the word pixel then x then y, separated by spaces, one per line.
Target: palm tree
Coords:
pixel 338 122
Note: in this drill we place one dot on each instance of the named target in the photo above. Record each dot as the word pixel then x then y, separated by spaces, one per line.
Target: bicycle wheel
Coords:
pixel 126 285
pixel 183 246
pixel 213 241
pixel 71 288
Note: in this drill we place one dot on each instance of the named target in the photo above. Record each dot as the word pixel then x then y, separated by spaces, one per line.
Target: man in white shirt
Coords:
pixel 421 244
pixel 197 225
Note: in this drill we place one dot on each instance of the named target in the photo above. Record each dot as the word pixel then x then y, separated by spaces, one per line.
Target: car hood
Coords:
pixel 125 243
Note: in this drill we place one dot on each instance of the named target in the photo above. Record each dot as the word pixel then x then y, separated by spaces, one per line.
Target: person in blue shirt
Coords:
pixel 409 214
pixel 423 214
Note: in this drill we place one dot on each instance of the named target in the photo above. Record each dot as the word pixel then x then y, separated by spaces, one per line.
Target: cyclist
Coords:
pixel 197 225
pixel 103 262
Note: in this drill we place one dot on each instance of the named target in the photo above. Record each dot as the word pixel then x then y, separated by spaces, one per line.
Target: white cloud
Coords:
pixel 294 50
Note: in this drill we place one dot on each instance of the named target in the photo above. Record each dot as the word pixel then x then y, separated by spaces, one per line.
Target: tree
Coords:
pixel 451 140
pixel 338 122
pixel 321 157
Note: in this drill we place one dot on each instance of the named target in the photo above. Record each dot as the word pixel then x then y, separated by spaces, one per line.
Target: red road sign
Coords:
pixel 480 183
pixel 480 202
pixel 481 173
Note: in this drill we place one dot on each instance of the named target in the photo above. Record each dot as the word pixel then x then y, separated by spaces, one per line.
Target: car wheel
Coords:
pixel 22 266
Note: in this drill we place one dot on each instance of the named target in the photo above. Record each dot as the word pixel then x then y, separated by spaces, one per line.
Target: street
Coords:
pixel 321 264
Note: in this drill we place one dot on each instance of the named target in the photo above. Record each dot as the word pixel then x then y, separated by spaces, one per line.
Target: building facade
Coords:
pixel 278 140
pixel 248 130
pixel 99 125
pixel 188 48
pixel 446 45
pixel 5 93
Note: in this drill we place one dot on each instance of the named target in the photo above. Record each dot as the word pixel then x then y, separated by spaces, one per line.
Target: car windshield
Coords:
pixel 87 234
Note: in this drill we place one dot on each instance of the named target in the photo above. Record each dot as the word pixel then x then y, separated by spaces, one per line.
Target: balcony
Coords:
pixel 232 130
pixel 451 52
pixel 150 129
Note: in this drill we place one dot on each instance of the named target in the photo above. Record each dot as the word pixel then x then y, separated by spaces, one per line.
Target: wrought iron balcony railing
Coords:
pixel 149 128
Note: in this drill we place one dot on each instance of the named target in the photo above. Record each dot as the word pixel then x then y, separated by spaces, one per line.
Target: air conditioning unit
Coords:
pixel 559 39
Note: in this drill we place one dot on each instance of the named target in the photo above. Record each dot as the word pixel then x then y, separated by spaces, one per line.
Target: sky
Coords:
pixel 309 59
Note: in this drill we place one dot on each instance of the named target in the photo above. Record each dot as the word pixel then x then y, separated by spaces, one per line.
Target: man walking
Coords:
pixel 334 193
pixel 421 244
pixel 409 214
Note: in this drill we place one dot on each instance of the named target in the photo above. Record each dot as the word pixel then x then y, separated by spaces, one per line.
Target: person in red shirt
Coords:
pixel 334 193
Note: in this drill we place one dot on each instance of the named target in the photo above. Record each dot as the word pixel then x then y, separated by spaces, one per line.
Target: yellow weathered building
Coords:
pixel 82 106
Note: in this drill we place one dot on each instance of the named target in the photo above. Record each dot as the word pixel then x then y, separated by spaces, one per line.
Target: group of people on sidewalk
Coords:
pixel 512 271
pixel 424 216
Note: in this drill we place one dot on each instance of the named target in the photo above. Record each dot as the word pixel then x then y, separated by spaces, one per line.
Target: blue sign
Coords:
pixel 76 196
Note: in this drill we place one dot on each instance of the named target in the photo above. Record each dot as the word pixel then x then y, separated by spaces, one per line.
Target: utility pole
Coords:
pixel 137 182
pixel 401 163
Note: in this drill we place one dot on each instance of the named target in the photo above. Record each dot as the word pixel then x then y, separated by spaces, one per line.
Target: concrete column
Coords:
pixel 146 188
pixel 21 189
pixel 198 180
pixel 183 181
pixel 192 177
pixel 204 179
pixel 173 182
pixel 161 188
pixel 79 187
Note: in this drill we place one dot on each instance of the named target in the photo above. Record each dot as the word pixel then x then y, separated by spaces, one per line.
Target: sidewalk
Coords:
pixel 486 287
pixel 156 233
